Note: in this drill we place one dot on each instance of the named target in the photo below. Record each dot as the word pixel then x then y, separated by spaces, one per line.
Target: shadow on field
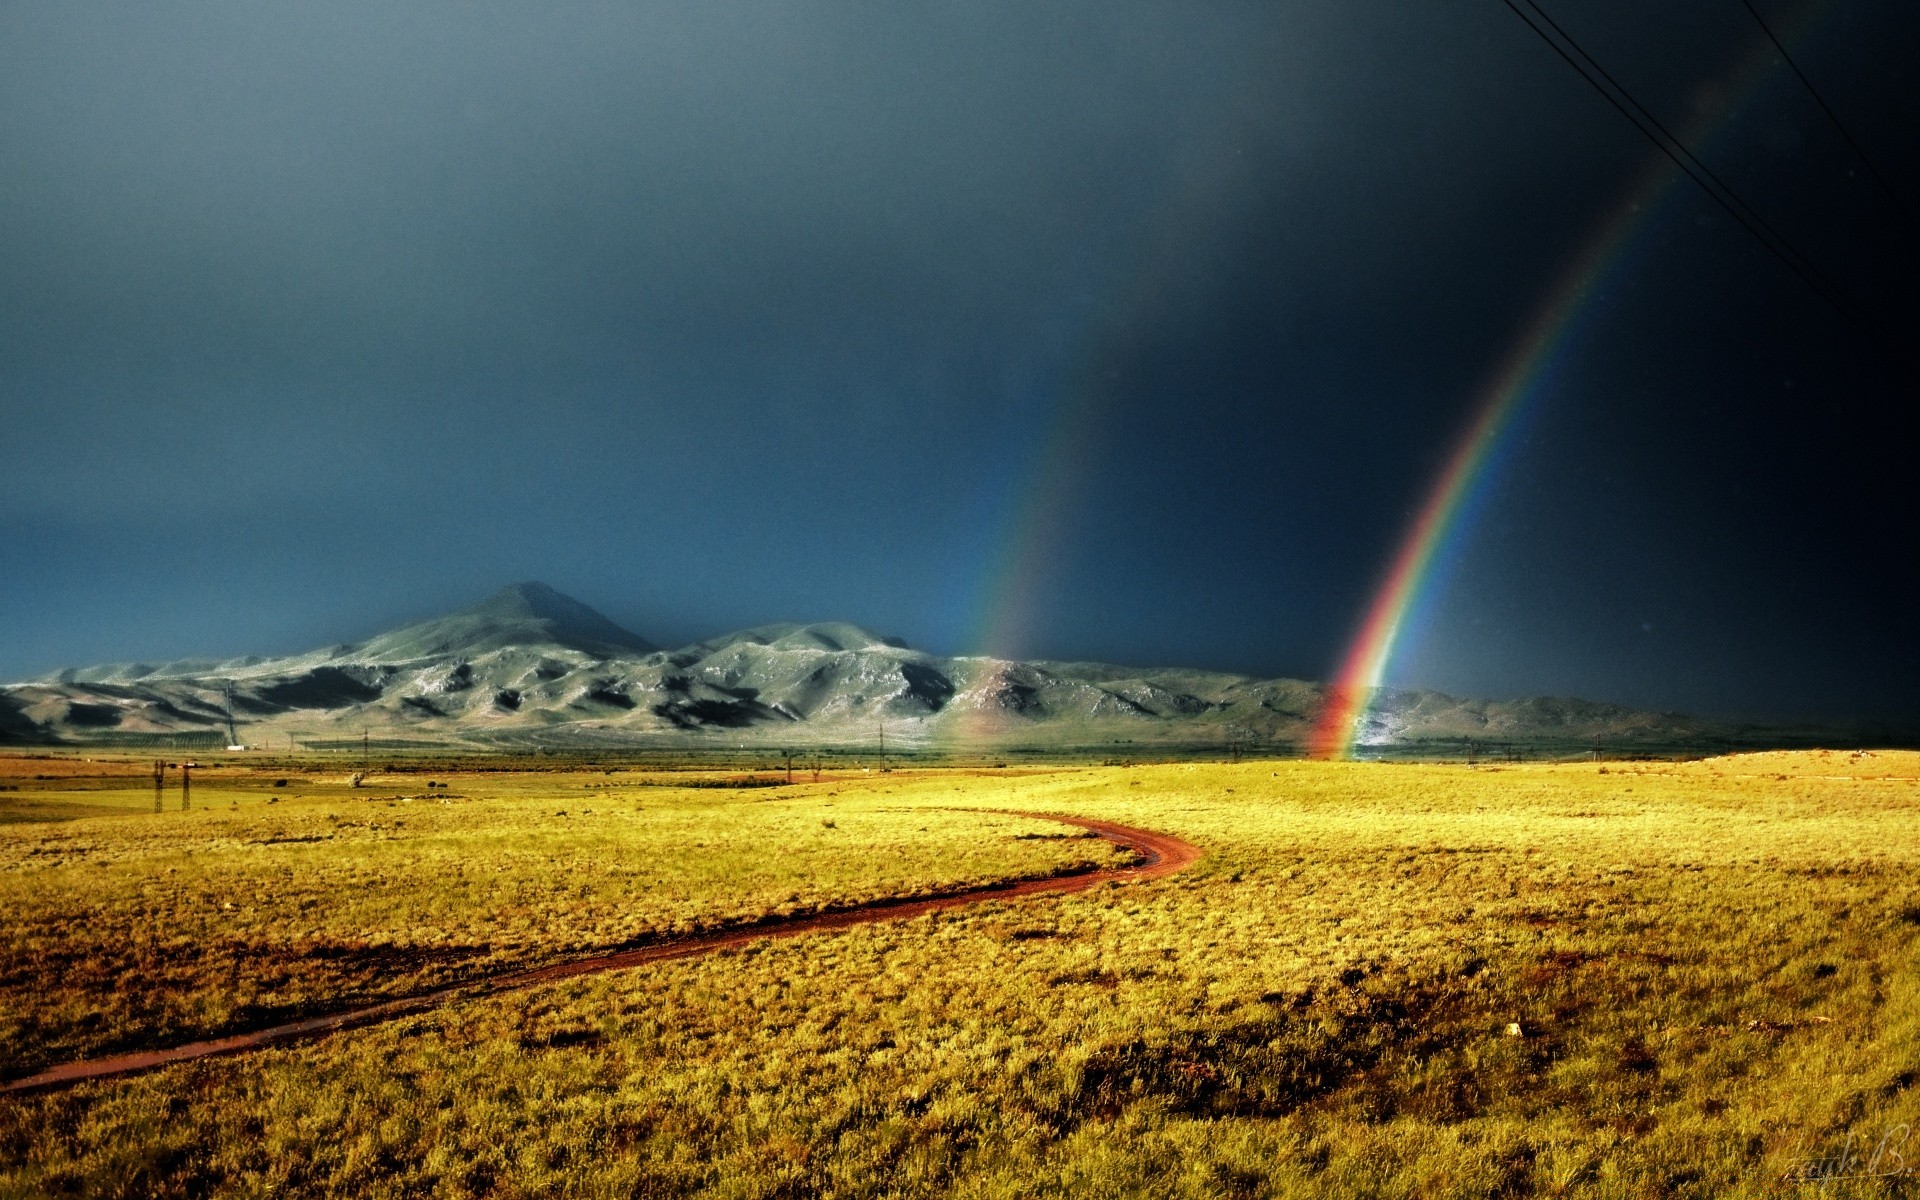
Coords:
pixel 1380 1046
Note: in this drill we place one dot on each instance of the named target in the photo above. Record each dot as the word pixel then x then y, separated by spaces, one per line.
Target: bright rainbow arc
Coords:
pixel 1437 523
pixel 1465 479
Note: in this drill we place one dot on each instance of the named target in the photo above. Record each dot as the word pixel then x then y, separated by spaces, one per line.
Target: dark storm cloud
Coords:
pixel 315 316
pixel 386 220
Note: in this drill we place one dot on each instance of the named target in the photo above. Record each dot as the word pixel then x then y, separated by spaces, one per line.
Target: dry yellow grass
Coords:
pixel 249 909
pixel 1710 965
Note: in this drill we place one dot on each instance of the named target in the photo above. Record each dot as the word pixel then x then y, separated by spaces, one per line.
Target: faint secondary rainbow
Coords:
pixel 1044 492
pixel 1529 369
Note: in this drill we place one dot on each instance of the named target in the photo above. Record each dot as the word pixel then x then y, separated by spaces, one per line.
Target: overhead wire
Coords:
pixel 1722 194
pixel 1893 350
pixel 1860 152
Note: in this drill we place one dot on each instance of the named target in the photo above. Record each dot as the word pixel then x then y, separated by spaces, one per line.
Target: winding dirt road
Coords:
pixel 1159 855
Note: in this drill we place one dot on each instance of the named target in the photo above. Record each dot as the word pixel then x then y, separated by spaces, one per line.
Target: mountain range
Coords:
pixel 532 667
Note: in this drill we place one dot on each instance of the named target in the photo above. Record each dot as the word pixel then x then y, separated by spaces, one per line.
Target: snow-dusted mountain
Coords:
pixel 529 666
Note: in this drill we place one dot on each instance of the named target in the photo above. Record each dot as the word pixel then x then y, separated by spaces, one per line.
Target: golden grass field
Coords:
pixel 1710 966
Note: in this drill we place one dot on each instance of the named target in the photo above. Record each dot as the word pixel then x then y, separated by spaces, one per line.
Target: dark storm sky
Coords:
pixel 318 318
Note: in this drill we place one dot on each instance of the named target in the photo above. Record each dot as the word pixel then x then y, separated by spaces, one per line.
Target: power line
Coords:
pixel 1617 95
pixel 1832 116
pixel 1716 188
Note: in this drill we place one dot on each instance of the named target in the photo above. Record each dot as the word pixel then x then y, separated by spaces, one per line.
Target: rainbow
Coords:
pixel 1463 481
pixel 1040 506
pixel 1528 372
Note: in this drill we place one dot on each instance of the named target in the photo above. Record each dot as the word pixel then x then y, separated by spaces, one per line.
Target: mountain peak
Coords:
pixel 534 600
pixel 521 614
pixel 831 636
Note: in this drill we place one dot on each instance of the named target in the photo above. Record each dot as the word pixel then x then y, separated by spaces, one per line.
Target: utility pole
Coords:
pixel 883 744
pixel 159 781
pixel 186 786
pixel 789 754
pixel 233 736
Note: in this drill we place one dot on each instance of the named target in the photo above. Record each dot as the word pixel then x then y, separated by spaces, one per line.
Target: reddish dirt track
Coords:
pixel 1159 856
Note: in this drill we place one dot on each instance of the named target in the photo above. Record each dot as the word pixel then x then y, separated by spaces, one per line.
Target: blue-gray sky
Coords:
pixel 318 318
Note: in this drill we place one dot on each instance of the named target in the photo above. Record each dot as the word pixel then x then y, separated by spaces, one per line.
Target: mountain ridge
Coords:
pixel 530 665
